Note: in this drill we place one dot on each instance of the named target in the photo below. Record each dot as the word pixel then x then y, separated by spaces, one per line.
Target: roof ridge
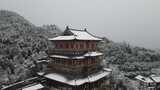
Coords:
pixel 75 29
pixel 93 35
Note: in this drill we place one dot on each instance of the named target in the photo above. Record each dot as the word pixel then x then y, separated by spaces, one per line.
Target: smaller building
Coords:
pixel 34 87
pixel 145 83
pixel 156 79
pixel 148 83
pixel 33 83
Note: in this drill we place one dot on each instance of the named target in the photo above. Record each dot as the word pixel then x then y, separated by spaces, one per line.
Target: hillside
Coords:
pixel 21 43
pixel 132 60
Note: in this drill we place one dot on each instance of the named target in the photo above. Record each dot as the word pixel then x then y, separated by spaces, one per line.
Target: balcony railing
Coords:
pixel 70 51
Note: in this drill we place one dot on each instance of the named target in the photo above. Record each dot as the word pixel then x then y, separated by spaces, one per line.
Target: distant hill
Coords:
pixel 21 43
pixel 130 60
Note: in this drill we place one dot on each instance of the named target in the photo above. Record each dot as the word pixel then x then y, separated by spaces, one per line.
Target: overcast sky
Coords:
pixel 134 21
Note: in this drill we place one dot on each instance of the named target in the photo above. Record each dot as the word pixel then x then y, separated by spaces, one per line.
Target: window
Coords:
pixel 61 46
pixel 86 62
pixel 78 62
pixel 81 46
pixel 93 45
pixel 89 61
pixel 93 61
pixel 64 61
pixel 67 45
pixel 87 45
pixel 56 46
pixel 69 62
pixel 77 46
pixel 74 62
pixel 72 46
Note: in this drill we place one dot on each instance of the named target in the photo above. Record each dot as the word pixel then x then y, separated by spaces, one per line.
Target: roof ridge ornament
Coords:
pixel 85 29
pixel 67 27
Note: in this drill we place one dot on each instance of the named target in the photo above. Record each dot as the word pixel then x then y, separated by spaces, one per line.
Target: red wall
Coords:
pixel 75 45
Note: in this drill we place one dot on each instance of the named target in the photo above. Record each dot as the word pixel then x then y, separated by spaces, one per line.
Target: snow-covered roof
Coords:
pixel 11 85
pixel 18 83
pixel 93 54
pixel 95 77
pixel 72 37
pixel 34 87
pixel 77 81
pixel 156 78
pixel 144 79
pixel 78 57
pixel 108 69
pixel 41 61
pixel 67 57
pixel 77 35
pixel 40 73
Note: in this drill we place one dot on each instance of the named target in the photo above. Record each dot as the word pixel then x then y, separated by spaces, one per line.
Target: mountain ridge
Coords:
pixel 21 43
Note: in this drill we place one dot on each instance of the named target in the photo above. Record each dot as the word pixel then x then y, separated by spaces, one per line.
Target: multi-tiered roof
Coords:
pixel 73 34
pixel 75 60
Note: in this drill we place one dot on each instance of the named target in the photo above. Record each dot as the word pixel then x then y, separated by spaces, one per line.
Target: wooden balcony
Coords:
pixel 75 70
pixel 71 52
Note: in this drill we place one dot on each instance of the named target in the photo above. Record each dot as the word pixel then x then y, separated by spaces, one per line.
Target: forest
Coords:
pixel 21 44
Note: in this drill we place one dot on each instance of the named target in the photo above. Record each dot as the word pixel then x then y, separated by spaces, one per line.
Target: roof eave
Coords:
pixel 73 39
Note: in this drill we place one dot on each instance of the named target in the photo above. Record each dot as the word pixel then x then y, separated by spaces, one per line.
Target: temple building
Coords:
pixel 75 62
